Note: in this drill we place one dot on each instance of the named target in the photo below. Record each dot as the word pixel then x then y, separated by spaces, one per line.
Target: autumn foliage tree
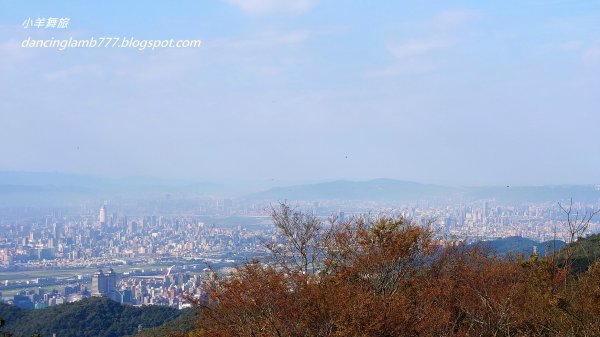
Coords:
pixel 388 277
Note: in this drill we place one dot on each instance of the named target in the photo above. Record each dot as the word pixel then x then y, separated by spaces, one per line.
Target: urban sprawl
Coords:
pixel 164 259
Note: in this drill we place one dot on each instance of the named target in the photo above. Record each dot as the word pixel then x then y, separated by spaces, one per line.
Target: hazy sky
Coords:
pixel 453 92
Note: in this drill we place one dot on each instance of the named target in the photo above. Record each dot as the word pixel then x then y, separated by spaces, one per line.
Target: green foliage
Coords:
pixel 95 317
pixel 585 252
pixel 516 245
pixel 185 323
pixel 1 325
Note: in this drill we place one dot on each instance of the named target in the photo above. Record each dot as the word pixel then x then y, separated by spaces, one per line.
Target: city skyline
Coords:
pixel 161 257
pixel 299 168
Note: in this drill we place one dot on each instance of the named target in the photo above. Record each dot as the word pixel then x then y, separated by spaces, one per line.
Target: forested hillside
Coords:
pixel 387 277
pixel 363 277
pixel 94 317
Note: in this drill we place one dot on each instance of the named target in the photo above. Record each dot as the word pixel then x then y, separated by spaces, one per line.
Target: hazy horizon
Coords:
pixel 178 181
pixel 456 93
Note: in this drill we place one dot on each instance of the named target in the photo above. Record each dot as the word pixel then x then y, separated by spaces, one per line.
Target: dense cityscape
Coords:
pixel 299 168
pixel 165 259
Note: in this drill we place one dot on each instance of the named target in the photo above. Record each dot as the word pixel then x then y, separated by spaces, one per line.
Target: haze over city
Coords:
pixel 454 93
pixel 299 168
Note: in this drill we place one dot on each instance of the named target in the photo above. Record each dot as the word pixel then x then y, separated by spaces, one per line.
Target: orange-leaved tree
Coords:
pixel 386 276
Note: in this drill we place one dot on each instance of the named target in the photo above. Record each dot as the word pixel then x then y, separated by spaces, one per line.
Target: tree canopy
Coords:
pixel 94 317
pixel 389 277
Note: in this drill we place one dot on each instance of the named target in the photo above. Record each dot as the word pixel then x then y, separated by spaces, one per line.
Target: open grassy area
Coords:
pixel 66 273
pixel 28 275
pixel 12 292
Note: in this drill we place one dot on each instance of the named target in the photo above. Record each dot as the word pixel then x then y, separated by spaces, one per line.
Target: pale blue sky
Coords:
pixel 452 92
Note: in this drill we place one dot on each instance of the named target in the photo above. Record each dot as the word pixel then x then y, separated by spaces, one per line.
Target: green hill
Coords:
pixel 520 245
pixel 186 322
pixel 95 317
pixel 585 252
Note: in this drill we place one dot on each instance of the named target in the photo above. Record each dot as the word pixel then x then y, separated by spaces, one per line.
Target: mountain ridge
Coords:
pixel 19 187
pixel 401 190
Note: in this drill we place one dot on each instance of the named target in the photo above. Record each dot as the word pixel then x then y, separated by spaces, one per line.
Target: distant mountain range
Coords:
pixel 48 189
pixel 377 190
pixel 395 190
pixel 59 189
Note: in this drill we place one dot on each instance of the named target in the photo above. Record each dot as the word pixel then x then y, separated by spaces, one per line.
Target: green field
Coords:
pixel 12 292
pixel 60 273
pixel 66 273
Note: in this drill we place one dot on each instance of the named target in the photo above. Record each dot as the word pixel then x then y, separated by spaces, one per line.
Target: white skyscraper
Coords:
pixel 102 217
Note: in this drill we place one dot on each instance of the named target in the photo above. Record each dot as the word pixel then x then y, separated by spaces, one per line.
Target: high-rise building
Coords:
pixel 486 212
pixel 57 230
pixel 104 284
pixel 341 217
pixel 131 227
pixel 102 217
pixel 111 281
pixel 98 283
pixel 227 205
